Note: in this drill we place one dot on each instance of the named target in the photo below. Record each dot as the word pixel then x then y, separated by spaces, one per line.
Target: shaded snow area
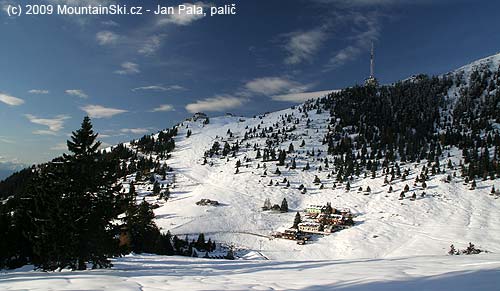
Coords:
pixel 148 273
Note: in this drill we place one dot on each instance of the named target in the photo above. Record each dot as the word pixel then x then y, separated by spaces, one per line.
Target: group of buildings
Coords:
pixel 317 219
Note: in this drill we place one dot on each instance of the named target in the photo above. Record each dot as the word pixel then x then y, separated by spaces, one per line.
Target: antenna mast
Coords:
pixel 372 63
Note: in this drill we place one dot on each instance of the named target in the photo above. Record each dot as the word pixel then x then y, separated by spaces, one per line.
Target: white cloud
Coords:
pixel 158 88
pixel 181 17
pixel 4 4
pixel 98 111
pixel 54 124
pixel 11 100
pixel 151 45
pixel 77 92
pixel 38 91
pixel 163 108
pixel 136 130
pixel 128 68
pixel 217 103
pixel 10 164
pixel 107 37
pixel 300 97
pixel 60 147
pixel 110 23
pixel 301 46
pixel 274 85
pixel 82 20
pixel 5 139
pixel 368 30
pixel 359 3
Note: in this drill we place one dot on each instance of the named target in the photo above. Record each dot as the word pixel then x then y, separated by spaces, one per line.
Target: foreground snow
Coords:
pixel 479 272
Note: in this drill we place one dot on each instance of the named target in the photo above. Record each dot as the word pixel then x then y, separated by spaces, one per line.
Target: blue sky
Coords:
pixel 138 74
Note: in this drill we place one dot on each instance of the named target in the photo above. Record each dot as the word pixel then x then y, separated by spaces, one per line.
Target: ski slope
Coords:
pixel 153 273
pixel 450 213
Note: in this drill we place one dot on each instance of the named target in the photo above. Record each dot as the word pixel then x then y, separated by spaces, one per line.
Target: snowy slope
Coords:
pixel 450 213
pixel 394 245
pixel 152 273
pixel 386 227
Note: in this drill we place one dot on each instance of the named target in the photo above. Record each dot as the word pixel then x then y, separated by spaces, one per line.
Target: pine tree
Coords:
pixel 297 220
pixel 74 202
pixel 200 242
pixel 142 228
pixel 284 205
pixel 452 250
pixel 267 204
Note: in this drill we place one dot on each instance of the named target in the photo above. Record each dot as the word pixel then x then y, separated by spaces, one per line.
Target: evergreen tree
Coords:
pixel 297 220
pixel 267 204
pixel 72 205
pixel 284 205
pixel 142 229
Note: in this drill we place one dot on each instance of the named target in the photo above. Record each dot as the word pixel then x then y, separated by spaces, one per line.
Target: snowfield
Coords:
pixel 450 213
pixel 394 244
pixel 150 273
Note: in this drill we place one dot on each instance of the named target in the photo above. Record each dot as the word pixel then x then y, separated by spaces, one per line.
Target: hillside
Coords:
pixel 448 213
pixel 415 162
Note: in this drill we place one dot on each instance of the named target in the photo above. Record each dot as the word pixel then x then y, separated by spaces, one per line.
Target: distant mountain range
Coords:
pixel 5 173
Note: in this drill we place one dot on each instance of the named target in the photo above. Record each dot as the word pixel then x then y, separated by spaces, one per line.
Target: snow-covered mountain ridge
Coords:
pixel 358 148
pixel 448 213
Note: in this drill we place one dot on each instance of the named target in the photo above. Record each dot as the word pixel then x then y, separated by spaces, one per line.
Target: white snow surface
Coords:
pixel 395 244
pixel 386 227
pixel 153 273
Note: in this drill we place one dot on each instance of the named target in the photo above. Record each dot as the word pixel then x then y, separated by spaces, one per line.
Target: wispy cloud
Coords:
pixel 54 125
pixel 38 91
pixel 274 85
pixel 164 108
pixel 360 3
pixel 81 19
pixel 5 139
pixel 136 130
pixel 217 104
pixel 11 100
pixel 150 45
pixel 367 29
pixel 181 17
pixel 8 165
pixel 128 68
pixel 302 45
pixel 98 111
pixel 77 92
pixel 110 23
pixel 107 37
pixel 159 88
pixel 300 97
pixel 60 147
